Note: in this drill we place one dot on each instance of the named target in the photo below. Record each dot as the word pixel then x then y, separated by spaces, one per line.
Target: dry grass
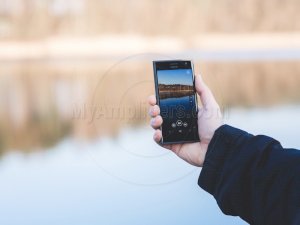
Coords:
pixel 37 111
pixel 35 19
pixel 254 83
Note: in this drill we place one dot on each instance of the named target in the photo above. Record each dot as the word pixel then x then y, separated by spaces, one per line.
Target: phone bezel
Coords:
pixel 170 65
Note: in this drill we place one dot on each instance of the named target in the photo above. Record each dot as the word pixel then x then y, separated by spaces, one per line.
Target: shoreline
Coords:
pixel 107 47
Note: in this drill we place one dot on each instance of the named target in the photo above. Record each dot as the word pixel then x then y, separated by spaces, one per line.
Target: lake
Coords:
pixel 126 179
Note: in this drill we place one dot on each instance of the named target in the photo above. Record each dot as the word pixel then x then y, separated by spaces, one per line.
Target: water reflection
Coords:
pixel 79 182
pixel 43 102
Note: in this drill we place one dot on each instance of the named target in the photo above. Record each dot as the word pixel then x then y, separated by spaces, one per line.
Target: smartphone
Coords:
pixel 177 99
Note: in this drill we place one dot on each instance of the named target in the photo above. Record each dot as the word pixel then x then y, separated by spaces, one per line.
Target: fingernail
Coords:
pixel 153 111
pixel 152 121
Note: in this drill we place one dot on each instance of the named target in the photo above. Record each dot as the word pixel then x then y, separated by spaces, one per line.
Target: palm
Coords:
pixel 193 153
pixel 189 152
pixel 209 119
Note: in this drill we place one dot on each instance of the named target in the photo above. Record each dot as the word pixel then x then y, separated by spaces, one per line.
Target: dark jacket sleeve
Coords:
pixel 253 177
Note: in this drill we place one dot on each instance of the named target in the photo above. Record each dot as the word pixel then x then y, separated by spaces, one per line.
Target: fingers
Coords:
pixel 207 98
pixel 156 122
pixel 152 100
pixel 157 136
pixel 154 111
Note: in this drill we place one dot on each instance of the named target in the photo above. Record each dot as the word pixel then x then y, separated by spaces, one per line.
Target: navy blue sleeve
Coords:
pixel 253 177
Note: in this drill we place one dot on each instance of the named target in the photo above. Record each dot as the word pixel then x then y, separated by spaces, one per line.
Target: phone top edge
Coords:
pixel 173 60
pixel 172 65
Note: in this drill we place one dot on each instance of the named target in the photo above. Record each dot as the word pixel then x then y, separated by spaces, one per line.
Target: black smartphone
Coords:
pixel 177 99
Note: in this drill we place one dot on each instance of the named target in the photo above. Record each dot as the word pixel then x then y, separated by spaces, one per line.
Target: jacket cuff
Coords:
pixel 218 151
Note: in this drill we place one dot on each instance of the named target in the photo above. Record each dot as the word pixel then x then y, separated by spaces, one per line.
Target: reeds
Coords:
pixel 33 19
pixel 42 102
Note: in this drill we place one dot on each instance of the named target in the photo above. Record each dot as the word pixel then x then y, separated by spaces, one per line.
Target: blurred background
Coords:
pixel 75 143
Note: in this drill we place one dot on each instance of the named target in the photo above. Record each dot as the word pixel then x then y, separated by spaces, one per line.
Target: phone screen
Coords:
pixel 177 100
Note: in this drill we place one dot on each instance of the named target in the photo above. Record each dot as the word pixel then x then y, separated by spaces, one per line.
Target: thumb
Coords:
pixel 204 92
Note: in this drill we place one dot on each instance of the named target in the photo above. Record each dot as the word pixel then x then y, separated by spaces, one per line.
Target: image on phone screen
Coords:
pixel 177 99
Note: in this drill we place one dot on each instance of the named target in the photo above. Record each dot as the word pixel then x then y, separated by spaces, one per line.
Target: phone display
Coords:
pixel 177 99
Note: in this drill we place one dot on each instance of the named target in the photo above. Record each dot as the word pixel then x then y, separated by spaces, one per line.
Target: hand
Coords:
pixel 209 119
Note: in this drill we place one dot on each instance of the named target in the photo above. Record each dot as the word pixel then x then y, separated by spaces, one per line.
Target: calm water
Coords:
pixel 185 102
pixel 125 180
pixel 244 55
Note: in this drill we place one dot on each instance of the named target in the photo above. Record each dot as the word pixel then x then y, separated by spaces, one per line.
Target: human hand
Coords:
pixel 209 120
